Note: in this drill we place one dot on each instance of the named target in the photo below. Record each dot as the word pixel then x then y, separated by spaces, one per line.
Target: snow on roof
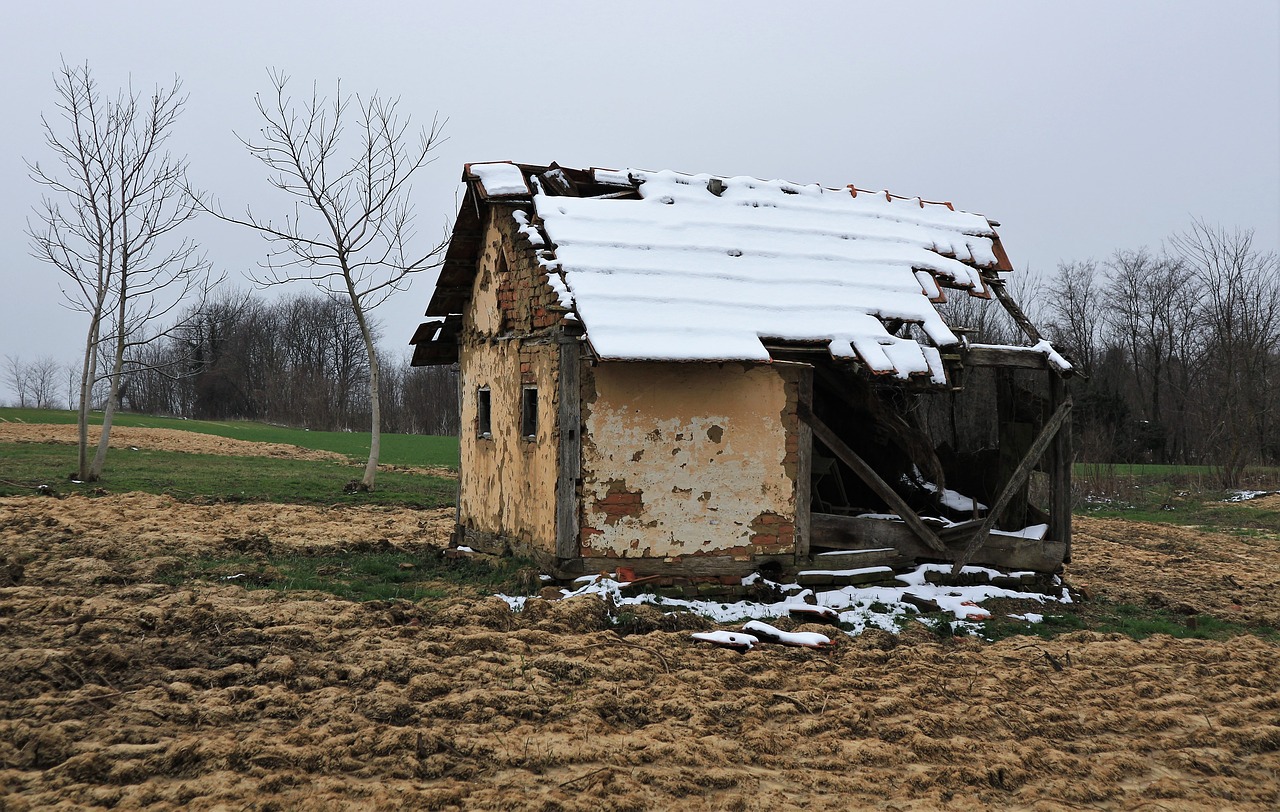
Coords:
pixel 500 179
pixel 703 268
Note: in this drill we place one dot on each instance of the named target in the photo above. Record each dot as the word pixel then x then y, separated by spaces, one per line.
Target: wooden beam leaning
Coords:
pixel 1016 479
pixel 868 475
pixel 1014 310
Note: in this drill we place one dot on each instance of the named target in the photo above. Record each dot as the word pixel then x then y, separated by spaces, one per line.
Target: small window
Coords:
pixel 483 420
pixel 529 414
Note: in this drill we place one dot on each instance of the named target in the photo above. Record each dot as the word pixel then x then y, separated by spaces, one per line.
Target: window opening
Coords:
pixel 529 413
pixel 484 425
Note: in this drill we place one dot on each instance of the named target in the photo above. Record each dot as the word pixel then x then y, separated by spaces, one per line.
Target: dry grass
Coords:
pixel 124 692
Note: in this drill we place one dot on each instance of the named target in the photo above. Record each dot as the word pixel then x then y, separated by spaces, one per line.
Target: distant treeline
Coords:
pixel 1179 349
pixel 297 360
pixel 1178 352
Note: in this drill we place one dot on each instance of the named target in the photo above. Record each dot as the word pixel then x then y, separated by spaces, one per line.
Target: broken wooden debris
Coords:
pixel 809 612
pixel 733 640
pixel 1014 553
pixel 1015 482
pixel 868 475
pixel 855 577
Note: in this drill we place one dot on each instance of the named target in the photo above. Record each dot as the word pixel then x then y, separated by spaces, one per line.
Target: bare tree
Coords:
pixel 44 375
pixel 1150 307
pixel 1074 305
pixel 1241 314
pixel 114 197
pixel 17 374
pixel 352 222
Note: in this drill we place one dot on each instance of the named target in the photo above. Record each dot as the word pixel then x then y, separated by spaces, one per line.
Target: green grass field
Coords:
pixel 25 466
pixel 397 449
pixel 1174 494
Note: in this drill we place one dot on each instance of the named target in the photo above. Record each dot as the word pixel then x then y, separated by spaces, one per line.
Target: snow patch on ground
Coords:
pixel 857 608
pixel 1245 496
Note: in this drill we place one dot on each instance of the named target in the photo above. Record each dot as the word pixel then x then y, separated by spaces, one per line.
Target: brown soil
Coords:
pixel 116 691
pixel 190 442
pixel 162 440
pixel 1269 502
pixel 1192 571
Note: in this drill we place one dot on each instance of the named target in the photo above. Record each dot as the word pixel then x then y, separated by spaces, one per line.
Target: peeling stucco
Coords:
pixel 704 445
pixel 507 482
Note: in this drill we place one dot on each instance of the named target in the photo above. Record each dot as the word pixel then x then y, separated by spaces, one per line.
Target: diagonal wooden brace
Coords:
pixel 868 475
pixel 1016 479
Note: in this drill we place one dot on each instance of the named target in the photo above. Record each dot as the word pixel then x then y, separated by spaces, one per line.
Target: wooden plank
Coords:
pixel 804 466
pixel 868 475
pixel 1002 357
pixel 853 559
pixel 1005 552
pixel 690 566
pixel 1060 457
pixel 827 578
pixel 569 468
pixel 1015 482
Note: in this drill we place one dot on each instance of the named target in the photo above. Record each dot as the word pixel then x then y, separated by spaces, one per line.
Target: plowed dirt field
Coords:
pixel 119 690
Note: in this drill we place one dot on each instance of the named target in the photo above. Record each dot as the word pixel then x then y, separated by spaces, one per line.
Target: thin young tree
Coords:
pixel 351 227
pixel 114 195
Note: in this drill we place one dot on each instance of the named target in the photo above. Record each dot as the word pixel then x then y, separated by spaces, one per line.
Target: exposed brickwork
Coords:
pixel 526 301
pixel 535 306
pixel 528 355
pixel 585 536
pixel 772 534
pixel 619 502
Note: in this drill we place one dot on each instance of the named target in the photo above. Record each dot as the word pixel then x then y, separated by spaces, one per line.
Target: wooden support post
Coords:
pixel 569 463
pixel 868 475
pixel 1060 461
pixel 804 465
pixel 462 433
pixel 1015 436
pixel 1015 482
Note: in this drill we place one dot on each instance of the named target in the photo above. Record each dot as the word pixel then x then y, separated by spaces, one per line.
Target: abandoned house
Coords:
pixel 702 376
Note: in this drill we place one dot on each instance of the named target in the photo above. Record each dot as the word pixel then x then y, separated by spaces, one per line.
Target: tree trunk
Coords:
pixel 87 374
pixel 375 406
pixel 117 365
pixel 375 409
pixel 109 412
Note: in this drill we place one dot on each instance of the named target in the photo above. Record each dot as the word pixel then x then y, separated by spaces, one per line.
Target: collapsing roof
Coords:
pixel 552 270
pixel 668 266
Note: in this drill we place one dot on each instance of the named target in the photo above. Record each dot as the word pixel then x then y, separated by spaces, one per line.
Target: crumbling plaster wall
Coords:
pixel 689 459
pixel 507 483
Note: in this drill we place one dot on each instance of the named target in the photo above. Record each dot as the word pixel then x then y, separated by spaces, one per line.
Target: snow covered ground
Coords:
pixel 857 608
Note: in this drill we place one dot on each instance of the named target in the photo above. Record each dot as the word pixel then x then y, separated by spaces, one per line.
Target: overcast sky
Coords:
pixel 1082 127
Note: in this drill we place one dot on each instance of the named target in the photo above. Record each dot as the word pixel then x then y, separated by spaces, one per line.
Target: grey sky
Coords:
pixel 1082 127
